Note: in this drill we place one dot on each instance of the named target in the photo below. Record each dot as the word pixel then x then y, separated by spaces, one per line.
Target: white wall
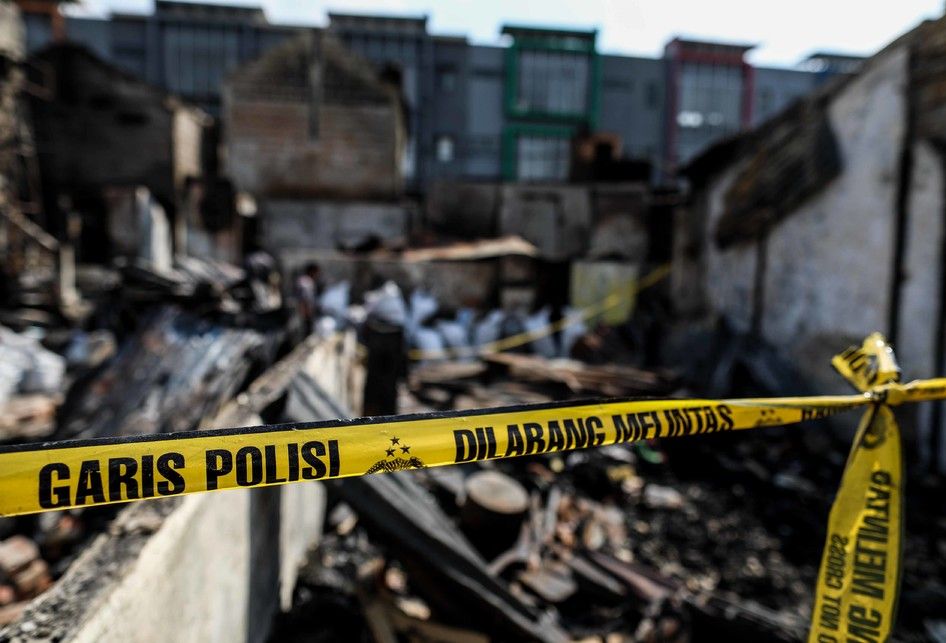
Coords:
pixel 728 275
pixel 829 263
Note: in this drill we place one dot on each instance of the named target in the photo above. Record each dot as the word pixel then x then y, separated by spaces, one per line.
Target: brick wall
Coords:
pixel 313 140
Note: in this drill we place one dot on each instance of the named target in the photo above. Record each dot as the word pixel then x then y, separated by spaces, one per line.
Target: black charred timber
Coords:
pixel 552 582
pixel 176 371
pixel 441 563
pixel 387 363
pixel 493 511
pixel 742 621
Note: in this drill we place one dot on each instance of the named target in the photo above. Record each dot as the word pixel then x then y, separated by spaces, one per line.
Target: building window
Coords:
pixel 445 149
pixel 653 98
pixel 710 106
pixel 446 79
pixel 553 82
pixel 542 158
pixel 766 101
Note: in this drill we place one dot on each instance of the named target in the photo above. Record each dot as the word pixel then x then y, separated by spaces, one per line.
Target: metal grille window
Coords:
pixel 710 105
pixel 553 82
pixel 542 158
pixel 196 58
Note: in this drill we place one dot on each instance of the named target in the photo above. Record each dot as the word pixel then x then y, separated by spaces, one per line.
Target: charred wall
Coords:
pixel 98 126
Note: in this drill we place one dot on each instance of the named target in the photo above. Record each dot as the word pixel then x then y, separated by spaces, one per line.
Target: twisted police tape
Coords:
pixel 860 569
pixel 859 578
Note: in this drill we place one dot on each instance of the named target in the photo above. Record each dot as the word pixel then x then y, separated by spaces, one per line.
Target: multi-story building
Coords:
pixel 551 94
pixel 478 112
pixel 182 47
pixel 510 113
pixel 709 96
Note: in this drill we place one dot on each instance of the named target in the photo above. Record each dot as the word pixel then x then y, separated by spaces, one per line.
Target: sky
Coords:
pixel 783 32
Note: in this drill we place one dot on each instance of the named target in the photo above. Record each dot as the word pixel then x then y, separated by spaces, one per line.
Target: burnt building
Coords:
pixel 99 129
pixel 825 223
pixel 25 248
pixel 315 135
pixel 184 48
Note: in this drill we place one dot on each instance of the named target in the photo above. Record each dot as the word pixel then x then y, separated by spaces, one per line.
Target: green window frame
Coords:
pixel 510 142
pixel 553 44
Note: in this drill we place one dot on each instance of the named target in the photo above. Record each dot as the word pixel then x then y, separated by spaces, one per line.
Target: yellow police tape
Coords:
pixel 521 339
pixel 859 576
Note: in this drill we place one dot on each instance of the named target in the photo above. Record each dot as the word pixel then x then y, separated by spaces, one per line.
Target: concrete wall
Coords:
pixel 562 221
pixel 209 567
pixel 828 265
pixel 287 224
pixel 556 219
pixel 273 149
pixel 847 229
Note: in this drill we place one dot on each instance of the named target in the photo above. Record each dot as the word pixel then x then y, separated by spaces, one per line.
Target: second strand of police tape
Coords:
pixel 613 300
pixel 859 576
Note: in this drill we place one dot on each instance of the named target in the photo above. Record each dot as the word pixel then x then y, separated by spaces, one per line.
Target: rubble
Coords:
pixel 592 559
pixel 23 575
pixel 173 349
pixel 27 367
pixel 32 385
pixel 175 372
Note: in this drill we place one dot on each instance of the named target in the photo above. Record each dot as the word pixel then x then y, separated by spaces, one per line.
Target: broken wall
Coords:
pixel 97 125
pixel 847 229
pixel 564 221
pixel 557 219
pixel 287 224
pixel 311 120
pixel 822 270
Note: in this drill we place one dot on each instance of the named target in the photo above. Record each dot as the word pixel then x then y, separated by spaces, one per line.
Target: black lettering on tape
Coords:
pixel 218 463
pixel 173 482
pixel 53 497
pixel 89 483
pixel 122 483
